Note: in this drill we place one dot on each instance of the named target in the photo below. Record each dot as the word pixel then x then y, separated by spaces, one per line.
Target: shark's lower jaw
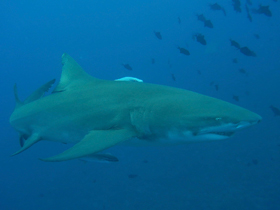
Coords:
pixel 213 136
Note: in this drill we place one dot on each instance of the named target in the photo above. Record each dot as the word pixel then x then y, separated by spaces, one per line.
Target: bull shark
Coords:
pixel 97 114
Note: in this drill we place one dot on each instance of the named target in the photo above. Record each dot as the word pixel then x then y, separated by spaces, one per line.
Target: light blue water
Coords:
pixel 239 173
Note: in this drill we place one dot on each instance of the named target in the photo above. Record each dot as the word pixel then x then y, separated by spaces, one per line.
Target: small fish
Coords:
pixel 246 51
pixel 216 7
pixel 257 36
pixel 263 10
pixel 99 158
pixel 236 98
pixel 248 14
pixel 255 161
pixel 275 110
pixel 127 66
pixel 235 60
pixel 173 77
pixel 200 38
pixel 201 18
pixel 234 43
pixel 158 35
pixel 132 176
pixel 179 20
pixel 236 5
pixel 183 51
pixel 217 87
pixel 208 24
pixel 243 71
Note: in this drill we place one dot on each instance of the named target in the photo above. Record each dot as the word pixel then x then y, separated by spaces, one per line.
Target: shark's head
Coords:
pixel 219 125
pixel 203 118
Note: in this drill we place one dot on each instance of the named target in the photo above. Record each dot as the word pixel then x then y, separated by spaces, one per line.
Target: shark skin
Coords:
pixel 97 114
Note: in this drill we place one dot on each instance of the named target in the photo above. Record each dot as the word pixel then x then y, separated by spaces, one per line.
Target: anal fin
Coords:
pixel 95 141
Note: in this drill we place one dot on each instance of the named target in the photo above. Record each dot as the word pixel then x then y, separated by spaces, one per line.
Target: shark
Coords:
pixel 96 114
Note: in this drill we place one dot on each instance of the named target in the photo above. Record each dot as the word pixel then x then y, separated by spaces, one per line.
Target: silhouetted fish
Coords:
pixel 248 13
pixel 99 158
pixel 201 18
pixel 127 66
pixel 275 110
pixel 132 176
pixel 243 71
pixel 208 23
pixel 217 87
pixel 158 35
pixel 216 7
pixel 257 36
pixel 235 60
pixel 236 5
pixel 234 43
pixel 246 51
pixel 263 10
pixel 179 20
pixel 184 51
pixel 173 77
pixel 200 38
pixel 236 98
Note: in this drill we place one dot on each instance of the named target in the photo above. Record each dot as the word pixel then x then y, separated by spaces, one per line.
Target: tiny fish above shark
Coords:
pixel 97 114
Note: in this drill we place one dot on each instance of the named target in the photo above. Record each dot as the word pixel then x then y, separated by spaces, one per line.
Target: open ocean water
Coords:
pixel 239 63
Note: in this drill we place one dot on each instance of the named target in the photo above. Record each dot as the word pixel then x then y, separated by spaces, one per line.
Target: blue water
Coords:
pixel 242 172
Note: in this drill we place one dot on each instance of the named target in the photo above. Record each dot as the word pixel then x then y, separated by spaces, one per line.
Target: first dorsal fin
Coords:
pixel 72 74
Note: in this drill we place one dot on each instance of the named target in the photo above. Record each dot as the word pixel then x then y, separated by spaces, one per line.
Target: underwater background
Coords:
pixel 160 41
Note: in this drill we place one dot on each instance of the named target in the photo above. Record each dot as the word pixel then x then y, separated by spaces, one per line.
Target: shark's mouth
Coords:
pixel 228 134
pixel 212 135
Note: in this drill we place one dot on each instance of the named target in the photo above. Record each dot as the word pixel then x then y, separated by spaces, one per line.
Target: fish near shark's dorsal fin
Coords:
pixel 95 141
pixel 37 94
pixel 72 74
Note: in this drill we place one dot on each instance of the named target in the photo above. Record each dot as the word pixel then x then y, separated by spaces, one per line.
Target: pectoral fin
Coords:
pixel 34 138
pixel 94 142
